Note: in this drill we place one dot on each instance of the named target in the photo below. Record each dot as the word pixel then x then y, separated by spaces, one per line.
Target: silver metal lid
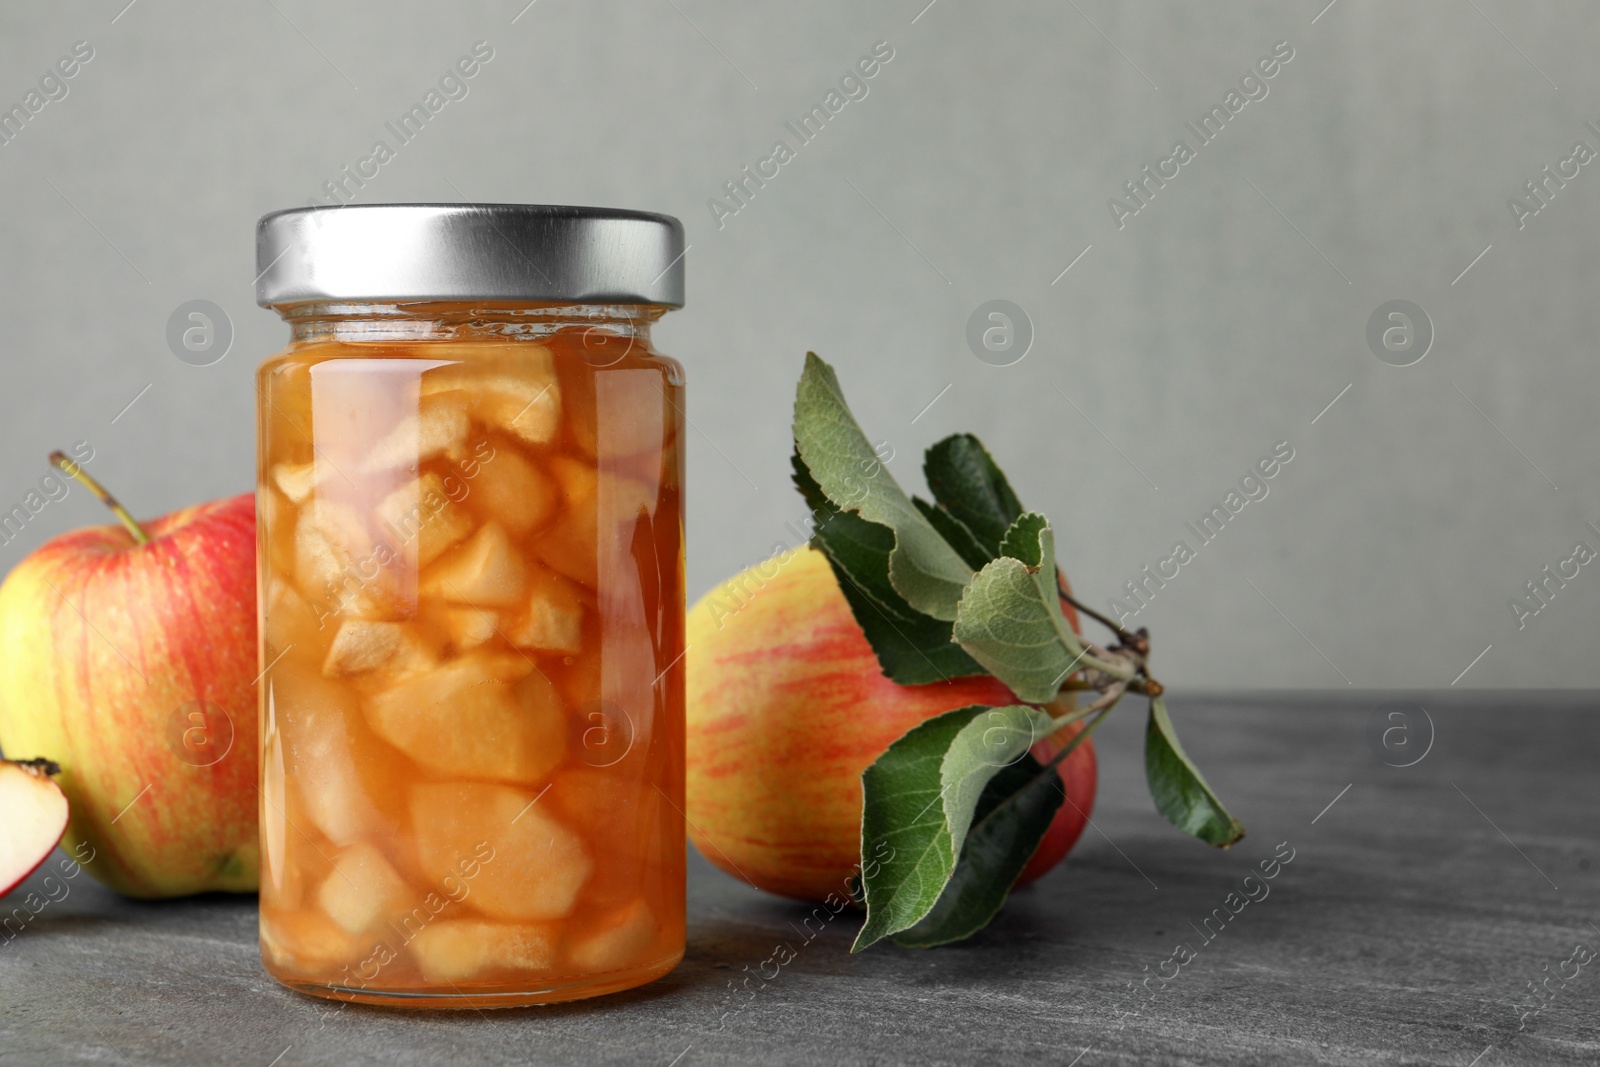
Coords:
pixel 535 252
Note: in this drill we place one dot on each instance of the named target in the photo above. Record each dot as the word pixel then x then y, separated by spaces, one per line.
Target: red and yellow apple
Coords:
pixel 787 706
pixel 128 656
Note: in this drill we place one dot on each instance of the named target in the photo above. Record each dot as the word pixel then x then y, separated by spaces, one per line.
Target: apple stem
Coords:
pixel 74 470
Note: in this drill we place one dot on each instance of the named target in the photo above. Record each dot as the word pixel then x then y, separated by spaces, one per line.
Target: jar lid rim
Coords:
pixel 462 251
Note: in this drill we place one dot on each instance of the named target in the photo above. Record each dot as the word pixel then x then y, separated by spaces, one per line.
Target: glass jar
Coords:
pixel 472 604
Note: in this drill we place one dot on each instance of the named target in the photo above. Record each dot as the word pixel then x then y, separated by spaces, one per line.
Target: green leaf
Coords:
pixel 994 740
pixel 902 811
pixel 1026 539
pixel 918 801
pixel 1010 619
pixel 923 568
pixel 1012 817
pixel 912 648
pixel 955 532
pixel 970 487
pixel 1180 793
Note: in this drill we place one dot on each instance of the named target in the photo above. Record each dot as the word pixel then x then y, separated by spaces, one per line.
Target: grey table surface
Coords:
pixel 1421 903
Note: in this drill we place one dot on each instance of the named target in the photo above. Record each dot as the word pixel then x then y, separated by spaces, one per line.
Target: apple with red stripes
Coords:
pixel 128 658
pixel 787 706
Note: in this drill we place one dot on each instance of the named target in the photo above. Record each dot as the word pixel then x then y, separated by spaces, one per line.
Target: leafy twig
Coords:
pixel 968 585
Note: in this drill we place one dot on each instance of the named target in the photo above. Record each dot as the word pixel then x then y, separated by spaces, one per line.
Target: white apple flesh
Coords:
pixel 33 816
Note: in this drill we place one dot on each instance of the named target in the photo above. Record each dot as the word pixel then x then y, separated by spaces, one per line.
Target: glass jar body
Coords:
pixel 471 594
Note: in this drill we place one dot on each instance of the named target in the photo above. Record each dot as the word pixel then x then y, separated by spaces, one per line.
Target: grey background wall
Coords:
pixel 1180 347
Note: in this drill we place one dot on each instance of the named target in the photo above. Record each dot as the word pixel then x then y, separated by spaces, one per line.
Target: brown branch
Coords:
pixel 1139 642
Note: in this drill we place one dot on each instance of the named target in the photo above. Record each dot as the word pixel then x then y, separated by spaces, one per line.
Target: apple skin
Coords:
pixel 1079 776
pixel 182 610
pixel 787 706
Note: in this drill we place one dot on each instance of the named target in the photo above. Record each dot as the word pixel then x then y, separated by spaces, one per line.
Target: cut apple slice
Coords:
pixel 341 524
pixel 422 519
pixel 462 948
pixel 536 867
pixel 467 628
pixel 363 890
pixel 295 479
pixel 511 490
pixel 553 619
pixel 318 565
pixel 320 725
pixel 526 407
pixel 438 427
pixel 600 509
pixel 624 942
pixel 569 546
pixel 35 817
pixel 362 645
pixel 481 715
pixel 334 551
pixel 523 399
pixel 487 570
pixel 308 939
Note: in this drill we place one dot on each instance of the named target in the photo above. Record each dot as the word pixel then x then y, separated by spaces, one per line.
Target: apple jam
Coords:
pixel 471 587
